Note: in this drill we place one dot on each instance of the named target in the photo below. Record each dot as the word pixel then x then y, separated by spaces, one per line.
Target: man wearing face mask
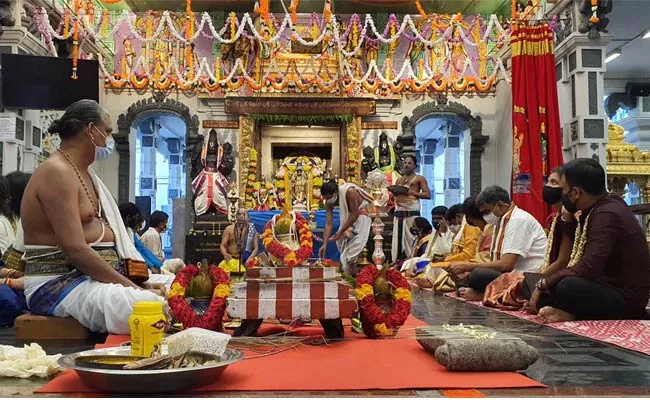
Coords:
pixel 519 243
pixel 354 222
pixel 79 260
pixel 152 239
pixel 609 270
pixel 464 247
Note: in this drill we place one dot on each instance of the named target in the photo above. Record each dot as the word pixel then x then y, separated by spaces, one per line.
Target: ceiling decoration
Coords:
pixel 302 53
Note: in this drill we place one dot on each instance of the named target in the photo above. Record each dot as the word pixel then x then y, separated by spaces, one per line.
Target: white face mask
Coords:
pixel 491 219
pixel 143 225
pixel 333 200
pixel 454 228
pixel 102 153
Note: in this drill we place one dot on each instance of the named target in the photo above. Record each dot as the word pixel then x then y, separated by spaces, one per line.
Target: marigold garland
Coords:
pixel 182 310
pixel 375 323
pixel 289 257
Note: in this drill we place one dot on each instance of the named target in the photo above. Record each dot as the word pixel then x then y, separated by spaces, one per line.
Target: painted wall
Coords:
pixel 494 110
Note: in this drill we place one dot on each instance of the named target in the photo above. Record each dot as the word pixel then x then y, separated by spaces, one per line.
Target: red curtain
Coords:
pixel 537 139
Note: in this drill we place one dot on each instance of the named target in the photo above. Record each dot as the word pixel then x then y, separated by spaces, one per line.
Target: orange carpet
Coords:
pixel 354 364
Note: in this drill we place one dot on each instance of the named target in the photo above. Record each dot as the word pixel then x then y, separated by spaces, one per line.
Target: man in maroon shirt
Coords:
pixel 608 277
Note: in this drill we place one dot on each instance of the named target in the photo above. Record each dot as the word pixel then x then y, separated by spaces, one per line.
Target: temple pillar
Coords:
pixel 580 68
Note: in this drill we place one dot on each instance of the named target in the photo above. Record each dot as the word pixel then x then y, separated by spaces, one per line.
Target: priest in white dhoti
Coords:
pixel 354 225
pixel 79 259
pixel 407 192
pixel 440 244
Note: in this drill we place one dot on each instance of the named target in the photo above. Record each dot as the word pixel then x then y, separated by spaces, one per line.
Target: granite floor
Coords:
pixel 569 365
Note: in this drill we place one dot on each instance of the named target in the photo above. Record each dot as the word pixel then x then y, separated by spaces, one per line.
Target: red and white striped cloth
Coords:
pixel 297 298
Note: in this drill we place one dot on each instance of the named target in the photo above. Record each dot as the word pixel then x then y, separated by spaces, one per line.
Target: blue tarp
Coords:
pixel 259 219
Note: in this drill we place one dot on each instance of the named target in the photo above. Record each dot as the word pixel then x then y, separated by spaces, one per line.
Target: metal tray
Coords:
pixel 146 381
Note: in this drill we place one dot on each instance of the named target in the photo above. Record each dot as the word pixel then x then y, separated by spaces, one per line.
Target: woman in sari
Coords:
pixel 509 291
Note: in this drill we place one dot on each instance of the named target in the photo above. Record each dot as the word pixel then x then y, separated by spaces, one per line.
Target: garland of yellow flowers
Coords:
pixel 579 243
pixel 549 245
pixel 290 258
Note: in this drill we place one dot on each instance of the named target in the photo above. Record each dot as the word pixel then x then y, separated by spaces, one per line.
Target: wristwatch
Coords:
pixel 541 285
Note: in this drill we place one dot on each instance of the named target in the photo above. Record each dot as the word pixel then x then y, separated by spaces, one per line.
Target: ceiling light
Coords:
pixel 647 34
pixel 613 56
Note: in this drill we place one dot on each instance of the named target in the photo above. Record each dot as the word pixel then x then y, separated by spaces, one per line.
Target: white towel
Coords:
pixel 123 243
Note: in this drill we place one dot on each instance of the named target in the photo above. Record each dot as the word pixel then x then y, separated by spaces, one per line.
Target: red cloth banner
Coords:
pixel 537 138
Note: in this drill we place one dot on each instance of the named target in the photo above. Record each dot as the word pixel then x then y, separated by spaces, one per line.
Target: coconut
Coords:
pixel 201 285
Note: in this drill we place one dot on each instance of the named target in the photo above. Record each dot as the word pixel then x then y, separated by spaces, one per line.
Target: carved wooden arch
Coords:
pixel 157 104
pixel 461 115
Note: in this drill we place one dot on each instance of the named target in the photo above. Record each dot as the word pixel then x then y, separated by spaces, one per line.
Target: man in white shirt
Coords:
pixel 518 244
pixel 152 240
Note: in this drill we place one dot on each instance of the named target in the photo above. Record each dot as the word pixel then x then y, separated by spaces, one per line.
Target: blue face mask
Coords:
pixel 102 153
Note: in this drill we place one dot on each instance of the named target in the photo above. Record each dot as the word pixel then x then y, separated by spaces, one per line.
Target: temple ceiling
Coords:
pixel 482 7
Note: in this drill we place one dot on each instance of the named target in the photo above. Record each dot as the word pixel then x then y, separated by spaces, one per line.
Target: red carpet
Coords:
pixel 629 334
pixel 355 364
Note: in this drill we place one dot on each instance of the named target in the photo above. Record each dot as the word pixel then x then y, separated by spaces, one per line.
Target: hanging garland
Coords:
pixel 278 250
pixel 182 310
pixel 302 119
pixel 375 322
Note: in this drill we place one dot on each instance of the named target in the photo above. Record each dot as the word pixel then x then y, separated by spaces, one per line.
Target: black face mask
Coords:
pixel 415 231
pixel 436 225
pixel 570 207
pixel 552 195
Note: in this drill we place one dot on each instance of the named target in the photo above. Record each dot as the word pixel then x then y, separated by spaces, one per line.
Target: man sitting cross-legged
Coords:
pixel 466 246
pixel 77 249
pixel 608 276
pixel 519 244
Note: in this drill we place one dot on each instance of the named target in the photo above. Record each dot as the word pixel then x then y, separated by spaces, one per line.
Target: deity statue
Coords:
pixel 387 159
pixel 210 187
pixel 129 55
pixel 263 196
pixel 368 163
pixel 299 189
pixel 416 53
pixel 227 165
pixel 371 48
pixel 458 56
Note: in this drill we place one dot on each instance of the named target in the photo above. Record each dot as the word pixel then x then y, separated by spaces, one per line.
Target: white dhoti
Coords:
pixel 403 239
pixel 351 247
pixel 103 307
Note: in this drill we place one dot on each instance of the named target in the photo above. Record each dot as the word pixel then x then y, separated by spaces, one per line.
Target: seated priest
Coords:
pixel 134 222
pixel 465 247
pixel 519 244
pixel 79 259
pixel 354 225
pixel 512 290
pixel 438 245
pixel 152 239
pixel 422 231
pixel 609 269
pixel 240 236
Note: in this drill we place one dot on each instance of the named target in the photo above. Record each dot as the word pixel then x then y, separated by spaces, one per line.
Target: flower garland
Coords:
pixel 289 257
pixel 375 322
pixel 579 243
pixel 549 245
pixel 469 331
pixel 182 310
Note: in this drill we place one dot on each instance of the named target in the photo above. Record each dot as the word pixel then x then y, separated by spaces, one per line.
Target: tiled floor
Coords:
pixel 570 365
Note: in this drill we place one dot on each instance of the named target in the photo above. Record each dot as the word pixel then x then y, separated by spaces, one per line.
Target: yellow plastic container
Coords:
pixel 147 325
